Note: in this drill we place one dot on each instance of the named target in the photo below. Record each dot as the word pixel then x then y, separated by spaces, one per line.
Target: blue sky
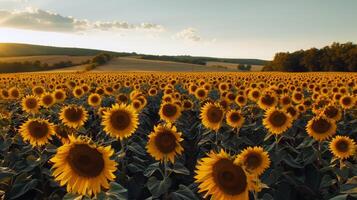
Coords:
pixel 227 28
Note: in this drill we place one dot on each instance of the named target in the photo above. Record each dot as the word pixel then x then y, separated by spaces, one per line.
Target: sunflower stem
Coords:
pixel 122 154
pixel 165 168
pixel 319 155
pixel 255 194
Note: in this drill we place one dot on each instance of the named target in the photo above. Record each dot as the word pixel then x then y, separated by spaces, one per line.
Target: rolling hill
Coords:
pixel 15 53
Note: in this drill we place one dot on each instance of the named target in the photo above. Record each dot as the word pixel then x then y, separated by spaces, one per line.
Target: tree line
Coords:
pixel 31 66
pixel 336 57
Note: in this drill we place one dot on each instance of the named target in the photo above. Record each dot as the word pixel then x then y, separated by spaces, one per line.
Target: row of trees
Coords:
pixel 336 57
pixel 99 59
pixel 243 67
pixel 30 66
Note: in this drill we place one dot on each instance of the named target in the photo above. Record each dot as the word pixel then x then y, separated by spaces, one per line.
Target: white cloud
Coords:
pixel 42 20
pixel 190 34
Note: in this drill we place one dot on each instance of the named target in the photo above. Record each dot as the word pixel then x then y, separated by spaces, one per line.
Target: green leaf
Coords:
pixel 21 188
pixel 151 169
pixel 183 193
pixel 117 192
pixel 6 173
pixel 158 187
pixel 179 168
pixel 136 148
pixel 71 196
pixel 327 181
pixel 340 197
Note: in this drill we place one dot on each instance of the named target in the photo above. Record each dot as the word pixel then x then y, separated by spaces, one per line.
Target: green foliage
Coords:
pixel 244 67
pixel 336 57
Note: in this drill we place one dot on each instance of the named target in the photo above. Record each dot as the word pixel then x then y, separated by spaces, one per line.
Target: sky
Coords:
pixel 225 28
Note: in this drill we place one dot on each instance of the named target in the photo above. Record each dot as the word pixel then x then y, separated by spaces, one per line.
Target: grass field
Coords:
pixel 136 64
pixel 233 66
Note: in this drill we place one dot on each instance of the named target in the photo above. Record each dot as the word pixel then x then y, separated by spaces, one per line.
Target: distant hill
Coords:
pixel 15 49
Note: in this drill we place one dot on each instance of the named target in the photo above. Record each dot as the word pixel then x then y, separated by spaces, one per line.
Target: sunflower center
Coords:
pixel 38 91
pixel 62 132
pixel 346 101
pixel 235 117
pixel 298 96
pixel 321 126
pixel 277 118
pixel 201 93
pixel 230 178
pixel 58 95
pixel 38 129
pixel 47 100
pixel 253 161
pixel 120 119
pixel 94 99
pixel 214 114
pixel 331 111
pixel 292 111
pixel 286 101
pixel 240 99
pixel 255 94
pixel 165 142
pixel 169 110
pixel 15 93
pixel 78 92
pixel 342 146
pixel 268 100
pixel 31 103
pixel 73 114
pixel 122 98
pixel 85 160
pixel 5 93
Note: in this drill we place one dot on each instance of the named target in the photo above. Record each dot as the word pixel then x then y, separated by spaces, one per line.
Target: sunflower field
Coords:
pixel 179 136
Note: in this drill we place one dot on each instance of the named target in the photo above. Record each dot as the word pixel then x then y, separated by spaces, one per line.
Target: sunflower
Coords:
pixel 234 119
pixel 187 105
pixel 38 90
pixel 14 93
pixel 201 93
pixel 267 100
pixel 30 104
pixel 78 92
pixel 83 166
pixel 347 102
pixel 285 101
pixel 254 94
pixel 37 131
pixel 254 159
pixel 342 147
pixel 321 127
pixel 277 121
pixel 241 100
pixel 332 112
pixel 169 112
pixel 221 177
pixel 63 133
pixel 47 100
pixel 94 100
pixel 164 143
pixel 59 95
pixel 4 94
pixel 297 97
pixel 212 116
pixel 122 98
pixel 120 121
pixel 73 116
